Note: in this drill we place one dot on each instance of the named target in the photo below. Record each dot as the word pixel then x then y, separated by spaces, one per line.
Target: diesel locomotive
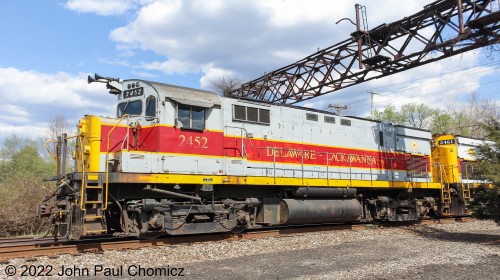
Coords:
pixel 177 160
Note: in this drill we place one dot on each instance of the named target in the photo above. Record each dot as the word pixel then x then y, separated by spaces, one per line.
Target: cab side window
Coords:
pixel 151 106
pixel 191 117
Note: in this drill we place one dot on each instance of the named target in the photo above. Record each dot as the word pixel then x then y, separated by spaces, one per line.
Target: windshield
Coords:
pixel 130 107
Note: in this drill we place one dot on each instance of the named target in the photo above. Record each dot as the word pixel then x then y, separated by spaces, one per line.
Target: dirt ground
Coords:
pixel 417 253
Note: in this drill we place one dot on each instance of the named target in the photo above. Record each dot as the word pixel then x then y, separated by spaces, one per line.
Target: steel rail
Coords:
pixel 51 248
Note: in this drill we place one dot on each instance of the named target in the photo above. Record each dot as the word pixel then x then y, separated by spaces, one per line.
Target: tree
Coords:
pixel 225 84
pixel 481 113
pixel 454 122
pixel 389 114
pixel 442 122
pixel 486 202
pixel 57 127
pixel 417 115
pixel 465 120
pixel 411 114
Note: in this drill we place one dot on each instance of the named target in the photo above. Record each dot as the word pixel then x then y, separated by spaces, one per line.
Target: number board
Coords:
pixel 129 93
pixel 446 142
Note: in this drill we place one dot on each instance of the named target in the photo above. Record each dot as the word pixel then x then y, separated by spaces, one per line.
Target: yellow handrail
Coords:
pixel 82 187
pixel 105 205
pixel 54 156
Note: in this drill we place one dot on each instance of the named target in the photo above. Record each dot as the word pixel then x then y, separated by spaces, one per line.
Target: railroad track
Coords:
pixel 30 248
pixel 4 242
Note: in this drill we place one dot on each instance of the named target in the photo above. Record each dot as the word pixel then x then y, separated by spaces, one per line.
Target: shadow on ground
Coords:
pixel 441 234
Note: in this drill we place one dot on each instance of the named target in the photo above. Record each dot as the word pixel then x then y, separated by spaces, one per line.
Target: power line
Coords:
pixel 484 83
pixel 451 72
pixel 468 74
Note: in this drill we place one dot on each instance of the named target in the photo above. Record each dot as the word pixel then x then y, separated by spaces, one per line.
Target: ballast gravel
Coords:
pixel 469 250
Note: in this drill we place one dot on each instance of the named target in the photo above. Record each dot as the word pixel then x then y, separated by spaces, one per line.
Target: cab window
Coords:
pixel 129 107
pixel 151 106
pixel 191 117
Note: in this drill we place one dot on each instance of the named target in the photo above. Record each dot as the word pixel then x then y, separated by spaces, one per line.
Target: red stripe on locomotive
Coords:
pixel 207 143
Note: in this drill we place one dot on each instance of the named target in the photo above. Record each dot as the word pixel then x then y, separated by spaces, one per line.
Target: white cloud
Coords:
pixel 31 99
pixel 172 66
pixel 248 37
pixel 29 131
pixel 211 73
pixel 289 13
pixel 144 74
pixel 437 84
pixel 38 88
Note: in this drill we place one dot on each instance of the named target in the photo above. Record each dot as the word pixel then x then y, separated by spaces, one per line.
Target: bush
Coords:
pixel 21 186
pixel 486 203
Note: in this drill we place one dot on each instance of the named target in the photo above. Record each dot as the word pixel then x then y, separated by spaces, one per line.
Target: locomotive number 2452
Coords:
pixel 195 142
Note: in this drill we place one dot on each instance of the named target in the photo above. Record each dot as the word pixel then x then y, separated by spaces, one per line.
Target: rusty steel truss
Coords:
pixel 442 29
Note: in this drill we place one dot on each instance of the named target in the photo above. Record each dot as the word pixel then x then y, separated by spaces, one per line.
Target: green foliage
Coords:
pixel 464 120
pixel 389 114
pixel 486 203
pixel 23 171
pixel 411 114
pixel 489 154
pixel 442 123
pixel 417 115
pixel 454 122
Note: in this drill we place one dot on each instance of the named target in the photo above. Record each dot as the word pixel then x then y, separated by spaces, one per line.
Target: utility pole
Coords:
pixel 371 103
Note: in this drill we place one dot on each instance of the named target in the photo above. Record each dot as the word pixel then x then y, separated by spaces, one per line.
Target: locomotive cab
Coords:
pixel 152 142
pixel 133 101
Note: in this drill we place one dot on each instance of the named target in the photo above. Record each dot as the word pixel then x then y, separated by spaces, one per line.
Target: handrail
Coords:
pixel 55 156
pixel 105 205
pixel 82 187
pixel 443 179
pixel 371 166
pixel 46 145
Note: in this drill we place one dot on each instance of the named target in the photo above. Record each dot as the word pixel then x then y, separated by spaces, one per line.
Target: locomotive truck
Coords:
pixel 178 160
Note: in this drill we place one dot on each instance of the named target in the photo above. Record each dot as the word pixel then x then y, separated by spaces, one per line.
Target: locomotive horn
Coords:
pixel 108 79
pixel 101 79
pixel 90 79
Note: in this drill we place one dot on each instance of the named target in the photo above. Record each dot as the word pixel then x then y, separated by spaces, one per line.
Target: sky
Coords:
pixel 50 47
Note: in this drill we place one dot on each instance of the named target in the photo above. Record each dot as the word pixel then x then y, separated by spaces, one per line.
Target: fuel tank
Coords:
pixel 317 211
pixel 325 192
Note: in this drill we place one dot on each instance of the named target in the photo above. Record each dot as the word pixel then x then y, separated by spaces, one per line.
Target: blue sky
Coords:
pixel 49 47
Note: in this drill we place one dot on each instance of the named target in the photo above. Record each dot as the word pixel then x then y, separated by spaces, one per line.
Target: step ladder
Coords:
pixel 445 190
pixel 92 203
pixel 466 193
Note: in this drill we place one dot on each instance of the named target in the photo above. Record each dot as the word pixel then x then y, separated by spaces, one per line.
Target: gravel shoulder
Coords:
pixel 468 250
